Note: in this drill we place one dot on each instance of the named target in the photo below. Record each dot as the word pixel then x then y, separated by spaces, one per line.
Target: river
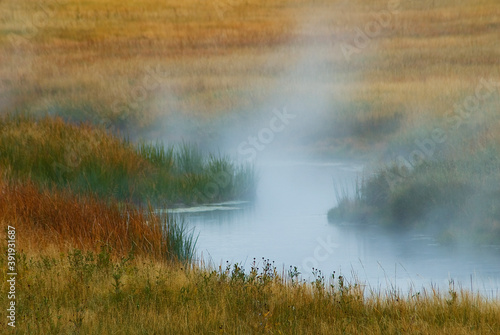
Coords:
pixel 288 224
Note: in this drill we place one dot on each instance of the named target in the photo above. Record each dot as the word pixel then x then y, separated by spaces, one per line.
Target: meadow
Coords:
pixel 78 292
pixel 86 265
pixel 162 69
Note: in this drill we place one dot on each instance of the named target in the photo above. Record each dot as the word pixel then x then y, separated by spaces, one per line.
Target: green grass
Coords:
pixel 91 160
pixel 454 193
pixel 180 240
pixel 186 174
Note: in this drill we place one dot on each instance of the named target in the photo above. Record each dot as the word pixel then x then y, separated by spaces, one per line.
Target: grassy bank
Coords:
pixel 446 184
pixel 86 293
pixel 50 219
pixel 92 258
pixel 88 266
pixel 89 160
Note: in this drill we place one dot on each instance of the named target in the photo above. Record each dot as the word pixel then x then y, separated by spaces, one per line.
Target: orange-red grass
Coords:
pixel 52 218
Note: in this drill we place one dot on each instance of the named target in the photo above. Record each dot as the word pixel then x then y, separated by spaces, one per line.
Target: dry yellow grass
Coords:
pixel 85 293
pixel 221 56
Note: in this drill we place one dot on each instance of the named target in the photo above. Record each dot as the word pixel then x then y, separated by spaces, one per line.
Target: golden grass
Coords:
pixel 76 293
pixel 139 62
pixel 224 56
pixel 38 138
pixel 99 288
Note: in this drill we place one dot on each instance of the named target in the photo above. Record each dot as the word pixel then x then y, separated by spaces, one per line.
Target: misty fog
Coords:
pixel 288 221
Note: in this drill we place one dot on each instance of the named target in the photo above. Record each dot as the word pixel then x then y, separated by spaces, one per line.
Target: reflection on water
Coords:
pixel 288 224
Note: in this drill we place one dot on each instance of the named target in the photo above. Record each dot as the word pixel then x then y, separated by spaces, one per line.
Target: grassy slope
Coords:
pixel 90 160
pixel 107 286
pixel 61 220
pixel 125 275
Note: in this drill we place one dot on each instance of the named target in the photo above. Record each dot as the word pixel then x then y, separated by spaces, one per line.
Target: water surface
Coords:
pixel 288 224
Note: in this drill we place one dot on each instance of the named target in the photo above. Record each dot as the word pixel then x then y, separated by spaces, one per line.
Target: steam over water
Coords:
pixel 288 225
pixel 288 221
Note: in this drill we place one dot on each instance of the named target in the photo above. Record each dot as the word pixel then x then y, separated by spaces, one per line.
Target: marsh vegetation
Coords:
pixel 448 188
pixel 86 86
pixel 89 160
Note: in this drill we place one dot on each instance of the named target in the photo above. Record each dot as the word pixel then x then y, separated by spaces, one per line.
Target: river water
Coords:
pixel 288 224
